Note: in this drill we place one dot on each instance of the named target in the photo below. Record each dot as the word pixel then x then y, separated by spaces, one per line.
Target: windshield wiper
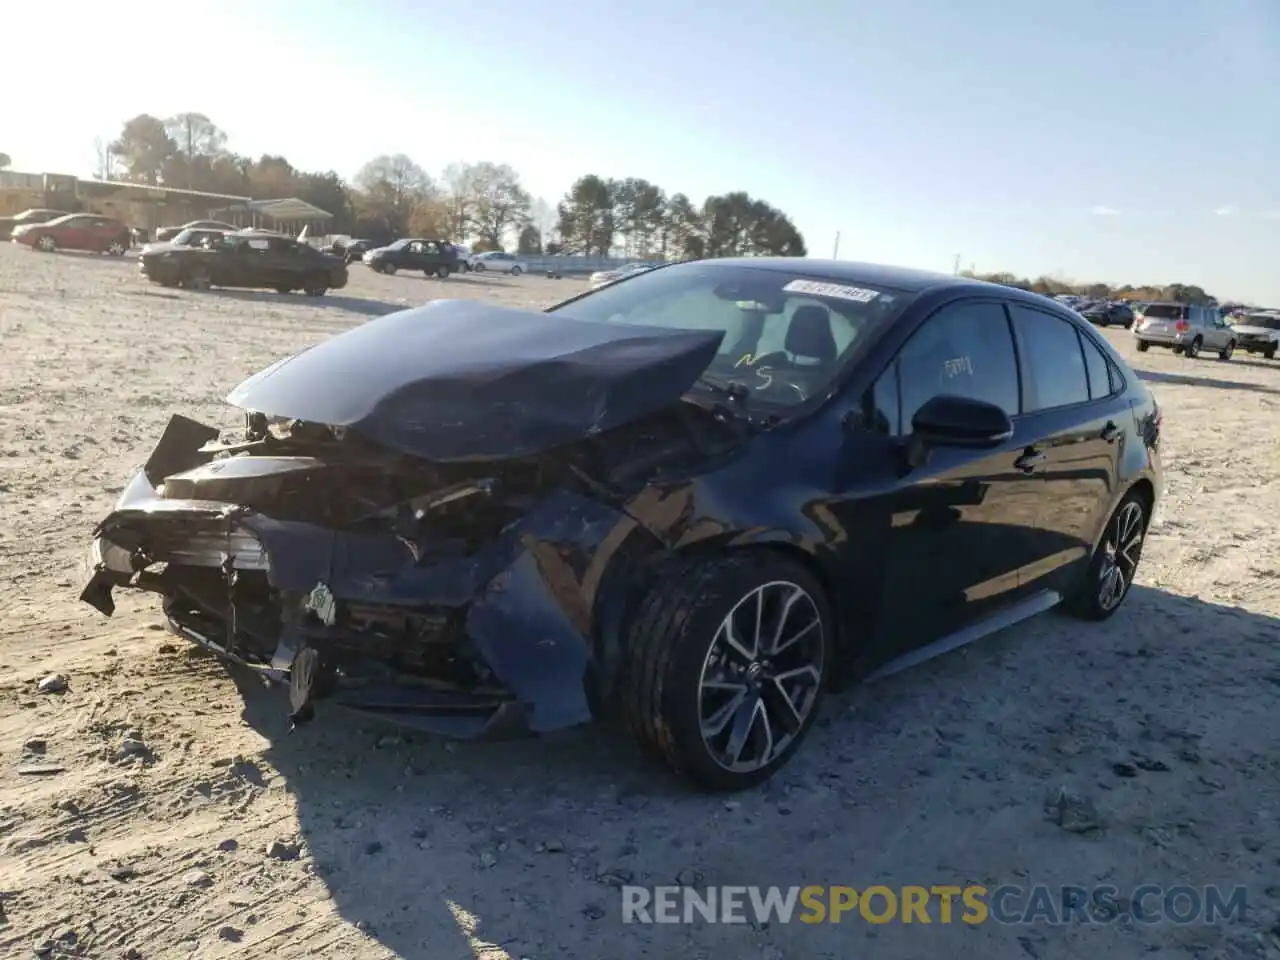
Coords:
pixel 737 393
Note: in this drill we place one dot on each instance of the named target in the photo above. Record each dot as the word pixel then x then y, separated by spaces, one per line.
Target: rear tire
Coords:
pixel 1143 346
pixel 442 272
pixel 1114 563
pixel 697 694
pixel 117 248
pixel 1193 349
pixel 284 289
pixel 1270 352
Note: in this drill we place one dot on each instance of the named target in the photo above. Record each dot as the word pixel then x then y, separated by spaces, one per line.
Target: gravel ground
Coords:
pixel 183 821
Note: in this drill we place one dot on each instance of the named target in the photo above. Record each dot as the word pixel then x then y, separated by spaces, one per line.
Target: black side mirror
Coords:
pixel 951 421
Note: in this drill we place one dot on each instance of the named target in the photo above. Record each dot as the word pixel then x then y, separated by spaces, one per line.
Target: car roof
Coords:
pixel 906 279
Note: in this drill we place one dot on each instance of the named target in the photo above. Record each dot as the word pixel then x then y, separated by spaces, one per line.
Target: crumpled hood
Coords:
pixel 465 379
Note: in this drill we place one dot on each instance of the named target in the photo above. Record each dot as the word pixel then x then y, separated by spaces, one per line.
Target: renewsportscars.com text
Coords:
pixel 938 903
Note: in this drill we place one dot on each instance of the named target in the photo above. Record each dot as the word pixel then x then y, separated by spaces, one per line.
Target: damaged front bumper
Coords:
pixel 521 608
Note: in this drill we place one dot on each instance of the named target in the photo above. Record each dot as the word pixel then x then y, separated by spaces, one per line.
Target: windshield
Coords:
pixel 399 245
pixel 1269 321
pixel 786 335
pixel 186 238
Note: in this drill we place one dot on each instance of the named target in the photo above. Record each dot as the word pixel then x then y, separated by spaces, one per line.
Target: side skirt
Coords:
pixel 1022 610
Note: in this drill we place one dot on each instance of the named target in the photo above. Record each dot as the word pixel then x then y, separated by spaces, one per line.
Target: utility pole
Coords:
pixel 835 252
pixel 956 268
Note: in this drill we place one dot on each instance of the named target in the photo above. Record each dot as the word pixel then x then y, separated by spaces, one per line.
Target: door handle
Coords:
pixel 1110 432
pixel 1030 461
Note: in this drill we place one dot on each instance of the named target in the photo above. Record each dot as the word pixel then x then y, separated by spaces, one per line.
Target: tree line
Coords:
pixel 1052 287
pixel 483 202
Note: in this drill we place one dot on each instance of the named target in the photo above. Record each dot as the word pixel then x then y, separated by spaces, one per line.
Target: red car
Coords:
pixel 76 231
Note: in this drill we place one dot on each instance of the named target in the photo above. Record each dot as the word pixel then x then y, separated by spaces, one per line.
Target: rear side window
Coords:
pixel 1098 368
pixel 1166 311
pixel 1052 360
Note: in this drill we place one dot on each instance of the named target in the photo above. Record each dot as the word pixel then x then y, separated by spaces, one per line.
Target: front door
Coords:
pixel 959 526
pixel 75 234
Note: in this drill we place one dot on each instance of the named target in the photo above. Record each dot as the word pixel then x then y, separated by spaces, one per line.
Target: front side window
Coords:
pixel 966 350
pixel 784 337
pixel 1053 359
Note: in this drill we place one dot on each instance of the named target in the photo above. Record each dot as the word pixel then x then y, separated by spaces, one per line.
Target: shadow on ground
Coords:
pixel 373 308
pixel 934 776
pixel 1188 381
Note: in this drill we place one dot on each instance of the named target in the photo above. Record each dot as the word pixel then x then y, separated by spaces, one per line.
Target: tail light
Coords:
pixel 1182 326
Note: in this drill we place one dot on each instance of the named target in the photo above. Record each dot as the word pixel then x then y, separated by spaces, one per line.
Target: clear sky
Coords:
pixel 1118 140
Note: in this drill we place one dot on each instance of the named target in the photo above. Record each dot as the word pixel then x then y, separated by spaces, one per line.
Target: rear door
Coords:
pixel 1072 426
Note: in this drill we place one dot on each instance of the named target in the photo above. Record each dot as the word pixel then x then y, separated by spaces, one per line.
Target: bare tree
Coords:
pixel 391 187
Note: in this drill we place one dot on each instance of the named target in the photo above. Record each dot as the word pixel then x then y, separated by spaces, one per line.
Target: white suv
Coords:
pixel 1259 333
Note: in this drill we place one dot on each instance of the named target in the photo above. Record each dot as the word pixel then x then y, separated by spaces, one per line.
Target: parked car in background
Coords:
pixel 1259 332
pixel 498 262
pixel 846 470
pixel 196 237
pixel 76 231
pixel 164 234
pixel 466 259
pixel 1185 328
pixel 603 277
pixel 1104 314
pixel 246 259
pixel 350 250
pixel 435 258
pixel 28 218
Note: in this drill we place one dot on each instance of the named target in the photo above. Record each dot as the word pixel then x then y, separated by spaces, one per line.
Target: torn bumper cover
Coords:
pixel 504 631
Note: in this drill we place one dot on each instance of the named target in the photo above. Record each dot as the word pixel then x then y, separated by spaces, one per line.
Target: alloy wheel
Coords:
pixel 1122 549
pixel 115 248
pixel 761 677
pixel 47 244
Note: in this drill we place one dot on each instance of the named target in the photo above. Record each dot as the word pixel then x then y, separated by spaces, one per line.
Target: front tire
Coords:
pixel 442 272
pixel 1269 353
pixel 46 244
pixel 1143 346
pixel 516 271
pixel 726 664
pixel 479 268
pixel 389 269
pixel 1226 353
pixel 1114 564
pixel 316 285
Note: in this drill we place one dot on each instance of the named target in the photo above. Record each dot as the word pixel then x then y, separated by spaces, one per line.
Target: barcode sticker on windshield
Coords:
pixel 817 288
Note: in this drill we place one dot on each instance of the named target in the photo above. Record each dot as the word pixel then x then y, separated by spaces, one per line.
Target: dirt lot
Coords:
pixel 214 832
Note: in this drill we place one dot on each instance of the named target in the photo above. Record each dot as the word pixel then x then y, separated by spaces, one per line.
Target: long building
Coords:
pixel 148 207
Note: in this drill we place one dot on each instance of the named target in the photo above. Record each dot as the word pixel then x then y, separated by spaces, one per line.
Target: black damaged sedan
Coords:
pixel 693 501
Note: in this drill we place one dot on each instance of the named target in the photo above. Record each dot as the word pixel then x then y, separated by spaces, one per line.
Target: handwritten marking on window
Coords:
pixel 958 366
